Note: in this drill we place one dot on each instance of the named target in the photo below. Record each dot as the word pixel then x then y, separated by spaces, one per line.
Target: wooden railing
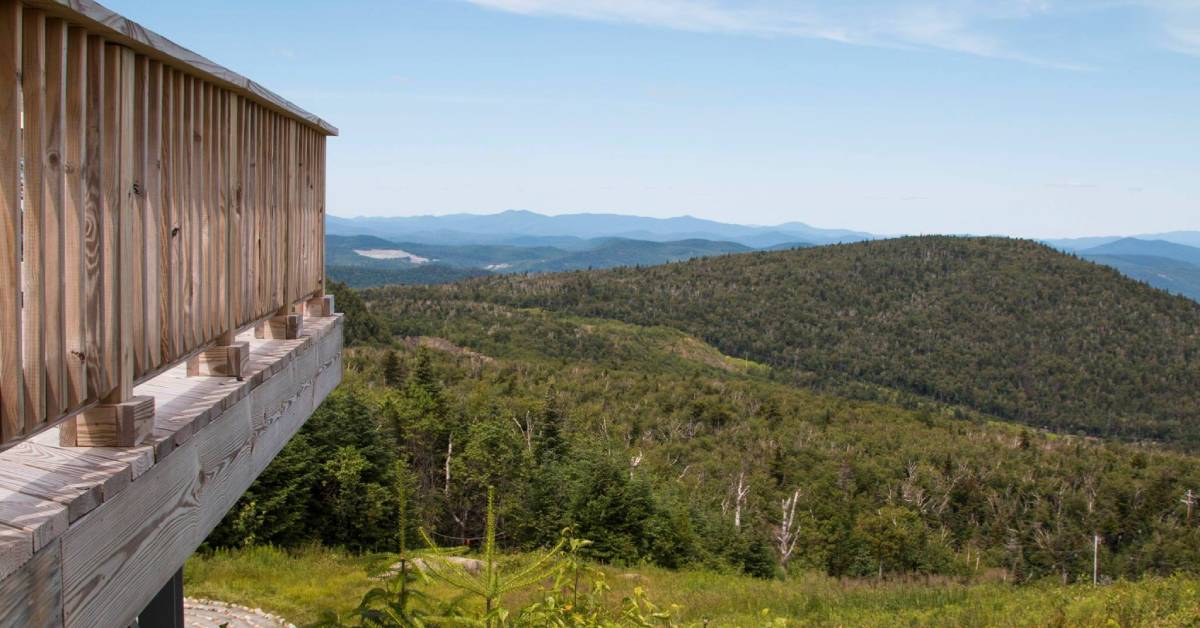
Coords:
pixel 151 204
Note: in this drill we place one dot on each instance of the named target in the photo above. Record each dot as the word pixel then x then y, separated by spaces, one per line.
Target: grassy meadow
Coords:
pixel 298 584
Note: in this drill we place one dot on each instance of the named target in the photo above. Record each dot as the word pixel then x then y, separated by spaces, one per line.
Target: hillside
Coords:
pixel 1163 273
pixel 1007 327
pixel 638 438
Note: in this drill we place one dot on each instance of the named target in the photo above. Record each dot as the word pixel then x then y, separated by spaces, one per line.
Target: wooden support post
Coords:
pixel 123 424
pixel 319 306
pixel 227 359
pixel 283 326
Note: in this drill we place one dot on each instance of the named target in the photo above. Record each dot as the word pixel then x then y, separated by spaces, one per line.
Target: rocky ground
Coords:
pixel 210 614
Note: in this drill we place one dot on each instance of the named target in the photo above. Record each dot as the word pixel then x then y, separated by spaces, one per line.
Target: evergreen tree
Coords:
pixel 393 375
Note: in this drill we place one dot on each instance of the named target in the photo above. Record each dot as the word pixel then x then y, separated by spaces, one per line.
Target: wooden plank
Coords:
pixel 54 178
pixel 187 195
pixel 79 496
pixel 225 455
pixel 15 549
pixel 32 595
pixel 116 560
pixel 127 206
pixel 138 270
pixel 139 459
pixel 180 282
pixel 110 220
pixel 208 225
pixel 112 477
pixel 169 282
pixel 155 231
pixel 42 519
pixel 196 157
pixel 74 209
pixel 236 254
pixel 94 210
pixel 34 225
pixel 12 396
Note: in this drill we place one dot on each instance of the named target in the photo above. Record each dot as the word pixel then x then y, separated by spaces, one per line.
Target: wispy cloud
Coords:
pixel 972 27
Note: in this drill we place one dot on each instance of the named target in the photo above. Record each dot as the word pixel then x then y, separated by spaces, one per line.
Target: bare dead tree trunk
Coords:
pixel 740 499
pixel 449 453
pixel 788 534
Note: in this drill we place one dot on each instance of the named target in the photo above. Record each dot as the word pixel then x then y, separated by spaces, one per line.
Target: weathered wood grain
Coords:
pixel 94 209
pixel 225 447
pixel 74 208
pixel 44 520
pixel 12 403
pixel 34 225
pixel 79 496
pixel 153 216
pixel 119 424
pixel 53 252
pixel 110 475
pixel 127 247
pixel 114 561
pixel 139 270
pixel 32 596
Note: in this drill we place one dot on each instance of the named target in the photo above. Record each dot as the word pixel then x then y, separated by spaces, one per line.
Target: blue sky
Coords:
pixel 1024 117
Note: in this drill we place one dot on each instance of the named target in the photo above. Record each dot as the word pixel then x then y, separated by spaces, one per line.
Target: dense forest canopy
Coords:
pixel 660 448
pixel 1006 327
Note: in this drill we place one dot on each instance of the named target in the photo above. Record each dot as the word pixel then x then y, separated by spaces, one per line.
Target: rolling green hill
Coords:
pixel 1006 327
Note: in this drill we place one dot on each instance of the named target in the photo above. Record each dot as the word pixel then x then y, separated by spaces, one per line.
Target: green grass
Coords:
pixel 298 584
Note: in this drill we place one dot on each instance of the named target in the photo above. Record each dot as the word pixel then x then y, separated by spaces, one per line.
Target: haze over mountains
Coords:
pixel 439 249
pixel 529 228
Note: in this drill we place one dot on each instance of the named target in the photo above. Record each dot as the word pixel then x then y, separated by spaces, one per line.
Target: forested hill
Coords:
pixel 1008 327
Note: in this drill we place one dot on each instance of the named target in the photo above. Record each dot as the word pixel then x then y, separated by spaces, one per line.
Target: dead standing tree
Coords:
pixel 788 532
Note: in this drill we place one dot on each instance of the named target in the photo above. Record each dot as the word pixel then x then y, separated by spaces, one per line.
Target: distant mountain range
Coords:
pixel 442 249
pixel 1163 264
pixel 524 228
pixel 363 261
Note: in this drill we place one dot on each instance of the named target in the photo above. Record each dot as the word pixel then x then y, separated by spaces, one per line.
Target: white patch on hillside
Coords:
pixel 393 254
pixel 497 266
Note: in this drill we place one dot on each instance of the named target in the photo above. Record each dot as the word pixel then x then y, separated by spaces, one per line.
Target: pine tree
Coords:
pixel 551 443
pixel 393 375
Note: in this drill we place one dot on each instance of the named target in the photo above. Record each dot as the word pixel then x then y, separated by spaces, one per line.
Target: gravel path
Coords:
pixel 210 614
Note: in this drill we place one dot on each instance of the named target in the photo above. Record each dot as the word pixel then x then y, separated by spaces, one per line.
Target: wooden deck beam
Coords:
pixel 89 535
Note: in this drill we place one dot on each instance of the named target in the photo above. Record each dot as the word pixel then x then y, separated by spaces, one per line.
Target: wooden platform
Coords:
pixel 88 536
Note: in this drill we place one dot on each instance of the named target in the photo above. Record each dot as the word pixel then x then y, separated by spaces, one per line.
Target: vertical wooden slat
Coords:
pixel 237 253
pixel 196 150
pixel 12 402
pixel 54 176
pixel 75 270
pixel 33 225
pixel 204 213
pixel 167 246
pixel 179 222
pixel 124 255
pixel 226 169
pixel 139 271
pixel 211 226
pixel 93 226
pixel 321 210
pixel 110 219
pixel 153 216
pixel 187 194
